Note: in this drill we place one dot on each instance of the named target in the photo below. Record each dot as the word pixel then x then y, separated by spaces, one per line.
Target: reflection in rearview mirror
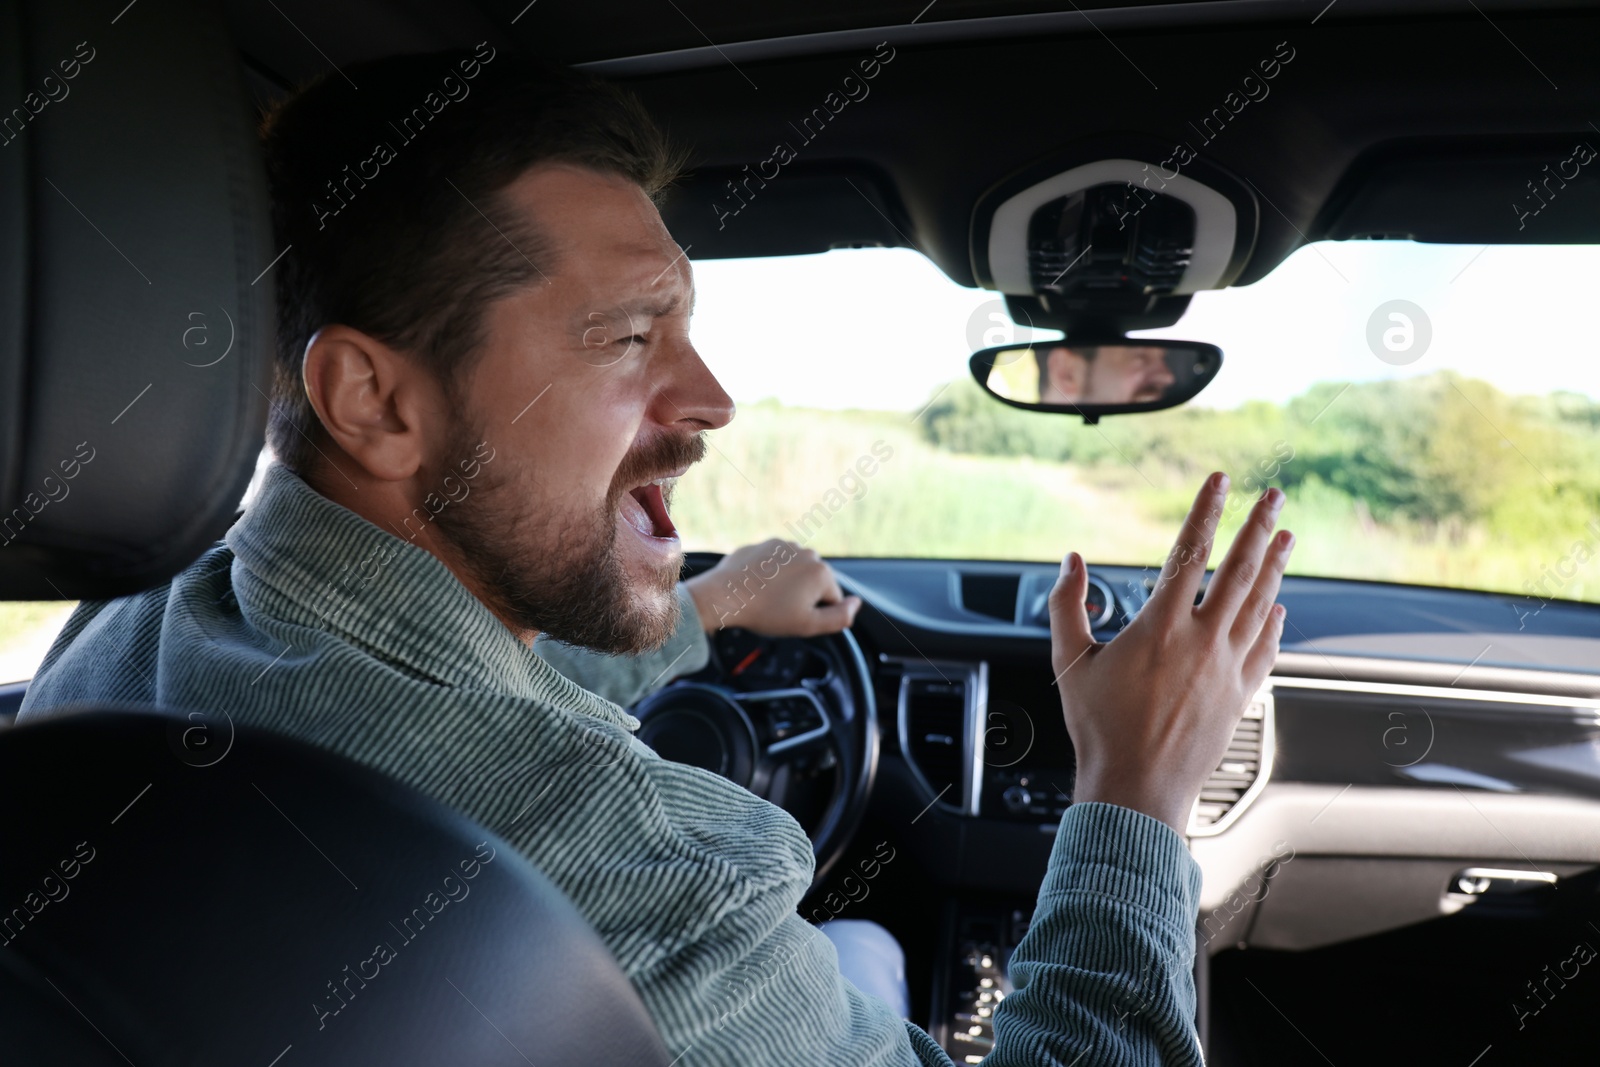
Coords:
pixel 1097 379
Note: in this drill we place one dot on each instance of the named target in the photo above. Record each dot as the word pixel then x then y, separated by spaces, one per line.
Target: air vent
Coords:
pixel 933 732
pixel 1241 774
pixel 994 595
pixel 886 681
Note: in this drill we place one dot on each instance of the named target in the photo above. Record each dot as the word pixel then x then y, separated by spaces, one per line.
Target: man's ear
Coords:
pixel 1068 373
pixel 374 402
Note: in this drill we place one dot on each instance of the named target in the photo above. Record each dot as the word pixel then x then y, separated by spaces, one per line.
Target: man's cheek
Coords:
pixel 569 425
pixel 575 484
pixel 582 462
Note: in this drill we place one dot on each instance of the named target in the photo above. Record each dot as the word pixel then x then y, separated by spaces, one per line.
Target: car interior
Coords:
pixel 1401 847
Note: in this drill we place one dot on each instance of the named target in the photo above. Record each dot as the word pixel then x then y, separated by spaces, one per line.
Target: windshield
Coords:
pixel 1431 411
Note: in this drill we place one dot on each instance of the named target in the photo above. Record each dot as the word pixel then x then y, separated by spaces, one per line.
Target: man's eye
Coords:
pixel 635 339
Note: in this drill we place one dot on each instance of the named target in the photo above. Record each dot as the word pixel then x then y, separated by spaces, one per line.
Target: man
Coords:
pixel 1104 374
pixel 486 391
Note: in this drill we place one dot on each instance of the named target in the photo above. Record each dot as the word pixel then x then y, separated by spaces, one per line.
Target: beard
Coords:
pixel 562 574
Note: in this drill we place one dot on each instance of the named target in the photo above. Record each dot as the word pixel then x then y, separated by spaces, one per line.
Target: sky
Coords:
pixel 885 328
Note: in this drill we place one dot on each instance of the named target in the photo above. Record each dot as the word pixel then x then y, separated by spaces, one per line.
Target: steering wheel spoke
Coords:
pixel 790 724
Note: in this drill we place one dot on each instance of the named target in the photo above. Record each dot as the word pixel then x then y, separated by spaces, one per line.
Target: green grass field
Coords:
pixel 774 464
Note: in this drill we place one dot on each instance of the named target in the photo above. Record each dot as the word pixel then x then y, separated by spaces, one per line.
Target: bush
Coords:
pixel 1439 449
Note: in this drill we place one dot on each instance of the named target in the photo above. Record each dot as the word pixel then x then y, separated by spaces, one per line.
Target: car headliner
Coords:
pixel 1399 119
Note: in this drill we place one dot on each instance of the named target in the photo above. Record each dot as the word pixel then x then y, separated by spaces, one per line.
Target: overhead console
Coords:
pixel 1105 243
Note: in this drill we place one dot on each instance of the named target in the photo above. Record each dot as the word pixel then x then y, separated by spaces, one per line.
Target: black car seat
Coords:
pixel 173 891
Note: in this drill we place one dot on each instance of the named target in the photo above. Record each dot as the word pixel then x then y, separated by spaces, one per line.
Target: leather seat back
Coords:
pixel 185 893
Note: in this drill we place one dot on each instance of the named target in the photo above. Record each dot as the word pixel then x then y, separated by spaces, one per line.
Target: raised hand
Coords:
pixel 1151 712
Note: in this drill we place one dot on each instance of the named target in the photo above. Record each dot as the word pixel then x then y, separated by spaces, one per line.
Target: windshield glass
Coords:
pixel 1431 411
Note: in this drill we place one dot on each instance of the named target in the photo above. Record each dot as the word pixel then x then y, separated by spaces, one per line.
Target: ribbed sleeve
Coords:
pixel 1104 977
pixel 625 679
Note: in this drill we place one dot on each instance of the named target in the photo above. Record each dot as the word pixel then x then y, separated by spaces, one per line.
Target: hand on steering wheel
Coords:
pixel 774 588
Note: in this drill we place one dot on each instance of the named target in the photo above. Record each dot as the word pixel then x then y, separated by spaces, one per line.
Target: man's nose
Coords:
pixel 693 393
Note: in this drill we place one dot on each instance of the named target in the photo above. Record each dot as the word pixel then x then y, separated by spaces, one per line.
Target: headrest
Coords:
pixel 136 300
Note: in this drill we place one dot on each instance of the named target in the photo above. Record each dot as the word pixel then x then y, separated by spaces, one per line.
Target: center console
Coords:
pixel 979 939
pixel 991 746
pixel 973 977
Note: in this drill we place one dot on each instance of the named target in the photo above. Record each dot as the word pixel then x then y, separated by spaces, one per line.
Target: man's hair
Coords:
pixel 387 201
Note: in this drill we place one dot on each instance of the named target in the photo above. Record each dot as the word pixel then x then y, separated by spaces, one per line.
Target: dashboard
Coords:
pixel 1416 752
pixel 1407 734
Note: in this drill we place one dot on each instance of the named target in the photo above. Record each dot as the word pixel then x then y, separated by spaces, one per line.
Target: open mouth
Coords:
pixel 645 508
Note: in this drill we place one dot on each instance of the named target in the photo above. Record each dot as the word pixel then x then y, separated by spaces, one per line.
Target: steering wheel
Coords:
pixel 793 720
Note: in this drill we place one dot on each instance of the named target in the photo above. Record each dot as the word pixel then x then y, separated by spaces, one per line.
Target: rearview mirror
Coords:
pixel 1095 379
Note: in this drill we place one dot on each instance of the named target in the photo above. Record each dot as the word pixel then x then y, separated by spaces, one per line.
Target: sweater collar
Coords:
pixel 320 565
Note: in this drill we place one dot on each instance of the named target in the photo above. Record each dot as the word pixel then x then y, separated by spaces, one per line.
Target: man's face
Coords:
pixel 593 400
pixel 1128 374
pixel 1106 374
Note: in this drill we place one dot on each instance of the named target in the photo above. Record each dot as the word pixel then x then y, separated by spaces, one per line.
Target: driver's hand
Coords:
pixel 1151 712
pixel 775 588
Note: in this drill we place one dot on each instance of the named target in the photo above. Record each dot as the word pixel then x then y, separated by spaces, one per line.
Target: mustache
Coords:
pixel 656 458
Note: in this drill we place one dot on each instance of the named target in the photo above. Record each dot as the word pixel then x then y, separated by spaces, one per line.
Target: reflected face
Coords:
pixel 593 401
pixel 1105 374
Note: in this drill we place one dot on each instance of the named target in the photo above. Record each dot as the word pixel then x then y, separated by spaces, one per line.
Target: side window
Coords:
pixel 27 629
